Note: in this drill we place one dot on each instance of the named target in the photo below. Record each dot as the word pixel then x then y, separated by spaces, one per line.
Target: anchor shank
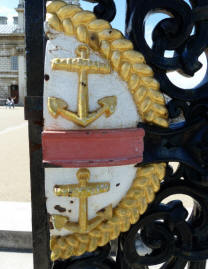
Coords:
pixel 83 214
pixel 83 95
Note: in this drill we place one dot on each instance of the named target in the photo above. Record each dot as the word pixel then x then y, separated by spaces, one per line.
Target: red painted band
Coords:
pixel 93 148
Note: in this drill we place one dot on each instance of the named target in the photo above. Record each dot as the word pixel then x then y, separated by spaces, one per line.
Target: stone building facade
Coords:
pixel 12 57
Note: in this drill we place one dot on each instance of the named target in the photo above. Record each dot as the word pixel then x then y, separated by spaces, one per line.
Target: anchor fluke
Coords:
pixel 55 105
pixel 63 222
pixel 59 221
pixel 109 103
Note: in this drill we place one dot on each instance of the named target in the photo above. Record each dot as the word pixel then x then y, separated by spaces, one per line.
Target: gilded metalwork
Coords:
pixel 83 66
pixel 84 226
pixel 112 45
pixel 83 190
pixel 128 211
pixel 131 67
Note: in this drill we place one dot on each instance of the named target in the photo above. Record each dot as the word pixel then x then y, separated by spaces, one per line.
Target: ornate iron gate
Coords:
pixel 167 233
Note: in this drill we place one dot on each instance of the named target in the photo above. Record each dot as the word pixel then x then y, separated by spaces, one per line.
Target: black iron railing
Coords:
pixel 168 233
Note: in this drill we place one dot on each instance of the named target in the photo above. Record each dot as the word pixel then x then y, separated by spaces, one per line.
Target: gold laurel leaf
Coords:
pixel 134 215
pixel 128 203
pixel 53 242
pixel 83 238
pixel 95 233
pixel 146 170
pixel 121 44
pixel 133 83
pixel 140 95
pixel 56 254
pixel 151 83
pixel 94 41
pixel 110 35
pixel 82 34
pixel 105 229
pixel 155 182
pixel 115 59
pixel 125 224
pixel 135 193
pixel 115 224
pixel 161 110
pixel 72 241
pixel 81 249
pixel 157 96
pixel 61 243
pixel 105 48
pixel 146 105
pixel 83 17
pixel 149 115
pixel 68 27
pixel 54 22
pixel 122 212
pixel 160 170
pixel 133 57
pixel 68 11
pixel 141 181
pixel 142 205
pixel 150 195
pixel 99 25
pixel 142 69
pixel 161 122
pixel 125 71
pixel 92 245
pixel 67 253
pixel 54 6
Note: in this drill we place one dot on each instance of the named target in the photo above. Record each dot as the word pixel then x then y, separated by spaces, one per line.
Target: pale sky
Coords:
pixel 7 9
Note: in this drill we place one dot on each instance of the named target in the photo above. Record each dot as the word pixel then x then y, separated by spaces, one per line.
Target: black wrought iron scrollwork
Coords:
pixel 105 9
pixel 99 259
pixel 173 234
pixel 185 144
pixel 174 33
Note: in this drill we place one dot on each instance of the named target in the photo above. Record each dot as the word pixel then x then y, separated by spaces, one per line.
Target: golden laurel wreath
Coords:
pixel 130 65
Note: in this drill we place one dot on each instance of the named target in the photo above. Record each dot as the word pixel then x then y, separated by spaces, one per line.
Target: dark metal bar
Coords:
pixel 35 47
pixel 16 240
pixel 34 108
pixel 197 265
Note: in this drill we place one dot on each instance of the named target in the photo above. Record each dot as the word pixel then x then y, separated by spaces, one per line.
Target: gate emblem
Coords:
pixel 85 215
pixel 83 66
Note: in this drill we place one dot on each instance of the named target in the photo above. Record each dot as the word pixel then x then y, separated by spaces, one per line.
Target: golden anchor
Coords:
pixel 83 66
pixel 83 190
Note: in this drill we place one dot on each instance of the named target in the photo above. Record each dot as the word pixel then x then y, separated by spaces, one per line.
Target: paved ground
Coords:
pixel 14 260
pixel 14 157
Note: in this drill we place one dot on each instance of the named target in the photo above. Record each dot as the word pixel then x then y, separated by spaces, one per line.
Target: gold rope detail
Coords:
pixel 128 211
pixel 150 102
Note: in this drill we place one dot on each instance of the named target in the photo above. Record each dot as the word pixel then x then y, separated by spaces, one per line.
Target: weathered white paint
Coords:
pixel 63 84
pixel 122 175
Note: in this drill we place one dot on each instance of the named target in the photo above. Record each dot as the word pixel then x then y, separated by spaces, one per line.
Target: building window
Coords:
pixel 14 62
